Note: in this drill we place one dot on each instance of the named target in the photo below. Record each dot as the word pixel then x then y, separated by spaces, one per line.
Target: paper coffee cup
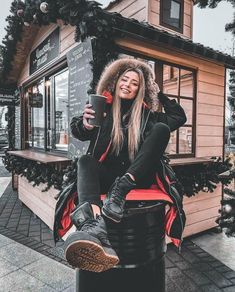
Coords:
pixel 98 103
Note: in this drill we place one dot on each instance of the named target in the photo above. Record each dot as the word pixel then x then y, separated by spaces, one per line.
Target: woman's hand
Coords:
pixel 88 113
pixel 158 89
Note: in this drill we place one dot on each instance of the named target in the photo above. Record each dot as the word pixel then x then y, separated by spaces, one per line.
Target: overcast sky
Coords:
pixel 208 25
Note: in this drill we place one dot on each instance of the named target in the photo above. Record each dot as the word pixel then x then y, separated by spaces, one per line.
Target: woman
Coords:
pixel 123 154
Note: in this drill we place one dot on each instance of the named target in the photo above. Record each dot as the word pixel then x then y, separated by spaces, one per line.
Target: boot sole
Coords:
pixel 110 216
pixel 89 256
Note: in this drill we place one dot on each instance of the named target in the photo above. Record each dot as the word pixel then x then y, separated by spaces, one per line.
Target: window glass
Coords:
pixel 171 148
pixel 178 83
pixel 188 108
pixel 186 83
pixel 36 102
pixel 172 12
pixel 170 80
pixel 61 111
pixel 185 140
pixel 29 117
pixel 50 120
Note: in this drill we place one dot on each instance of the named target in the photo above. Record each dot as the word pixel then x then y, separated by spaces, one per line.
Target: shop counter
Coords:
pixel 41 203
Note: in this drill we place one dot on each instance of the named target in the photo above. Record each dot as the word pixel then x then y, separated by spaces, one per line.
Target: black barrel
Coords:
pixel 139 240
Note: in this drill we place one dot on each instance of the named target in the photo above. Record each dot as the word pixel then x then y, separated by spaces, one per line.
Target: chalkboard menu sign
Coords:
pixel 45 52
pixel 17 126
pixel 80 76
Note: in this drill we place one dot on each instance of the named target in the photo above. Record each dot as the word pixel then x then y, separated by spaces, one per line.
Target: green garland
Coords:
pixel 87 16
pixel 37 172
pixel 202 177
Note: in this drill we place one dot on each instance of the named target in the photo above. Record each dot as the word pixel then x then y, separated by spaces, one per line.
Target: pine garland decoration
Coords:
pixel 202 177
pixel 87 16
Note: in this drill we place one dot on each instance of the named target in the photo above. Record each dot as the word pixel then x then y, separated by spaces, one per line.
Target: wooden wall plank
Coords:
pixel 209 151
pixel 135 10
pixel 167 54
pixel 210 131
pixel 203 119
pixel 65 31
pixel 206 87
pixel 209 140
pixel 121 5
pixel 210 77
pixel 67 42
pixel 209 98
pixel 187 20
pixel 203 196
pixel 154 6
pixel 202 215
pixel 187 8
pixel 197 206
pixel 200 226
pixel 210 109
pixel 41 203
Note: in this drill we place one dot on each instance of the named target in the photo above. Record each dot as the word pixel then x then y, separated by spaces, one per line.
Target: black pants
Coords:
pixel 95 178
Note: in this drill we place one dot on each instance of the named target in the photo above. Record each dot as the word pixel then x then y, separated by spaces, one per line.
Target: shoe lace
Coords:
pixel 115 197
pixel 88 224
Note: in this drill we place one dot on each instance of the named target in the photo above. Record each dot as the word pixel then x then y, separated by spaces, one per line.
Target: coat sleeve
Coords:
pixel 79 131
pixel 174 115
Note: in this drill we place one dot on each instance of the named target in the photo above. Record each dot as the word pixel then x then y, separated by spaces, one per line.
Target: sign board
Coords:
pixel 6 97
pixel 80 76
pixel 18 126
pixel 36 100
pixel 45 52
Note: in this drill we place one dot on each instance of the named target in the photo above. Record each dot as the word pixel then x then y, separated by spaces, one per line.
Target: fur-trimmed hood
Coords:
pixel 114 70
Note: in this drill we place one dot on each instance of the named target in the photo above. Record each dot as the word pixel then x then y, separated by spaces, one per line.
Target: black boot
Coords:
pixel 114 203
pixel 89 248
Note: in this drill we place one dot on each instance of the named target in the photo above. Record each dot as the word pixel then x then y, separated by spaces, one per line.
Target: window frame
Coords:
pixel 53 106
pixel 166 24
pixel 159 71
pixel 43 77
pixel 159 79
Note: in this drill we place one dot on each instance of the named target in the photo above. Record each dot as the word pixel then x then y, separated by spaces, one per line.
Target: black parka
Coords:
pixel 174 117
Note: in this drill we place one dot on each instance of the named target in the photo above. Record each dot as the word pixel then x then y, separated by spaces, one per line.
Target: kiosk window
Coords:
pixel 36 115
pixel 179 83
pixel 58 112
pixel 48 113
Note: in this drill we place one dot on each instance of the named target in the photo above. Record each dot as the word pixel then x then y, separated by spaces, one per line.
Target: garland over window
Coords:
pixel 88 17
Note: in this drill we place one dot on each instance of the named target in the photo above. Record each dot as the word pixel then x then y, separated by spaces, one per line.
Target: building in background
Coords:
pixel 53 74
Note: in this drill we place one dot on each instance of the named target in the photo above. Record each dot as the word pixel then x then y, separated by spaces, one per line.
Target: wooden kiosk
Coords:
pixel 53 74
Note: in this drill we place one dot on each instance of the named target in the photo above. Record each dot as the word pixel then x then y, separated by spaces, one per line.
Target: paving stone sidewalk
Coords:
pixel 23 269
pixel 193 270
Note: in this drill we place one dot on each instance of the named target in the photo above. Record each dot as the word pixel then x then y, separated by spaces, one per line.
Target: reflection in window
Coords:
pixel 61 111
pixel 36 115
pixel 171 148
pixel 185 140
pixel 187 105
pixel 186 83
pixel 29 123
pixel 170 80
pixel 50 123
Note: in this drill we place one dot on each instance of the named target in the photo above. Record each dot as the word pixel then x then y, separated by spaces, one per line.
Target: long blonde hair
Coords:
pixel 134 121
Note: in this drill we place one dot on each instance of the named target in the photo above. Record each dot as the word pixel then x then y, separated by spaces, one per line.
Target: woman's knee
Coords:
pixel 161 129
pixel 86 161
